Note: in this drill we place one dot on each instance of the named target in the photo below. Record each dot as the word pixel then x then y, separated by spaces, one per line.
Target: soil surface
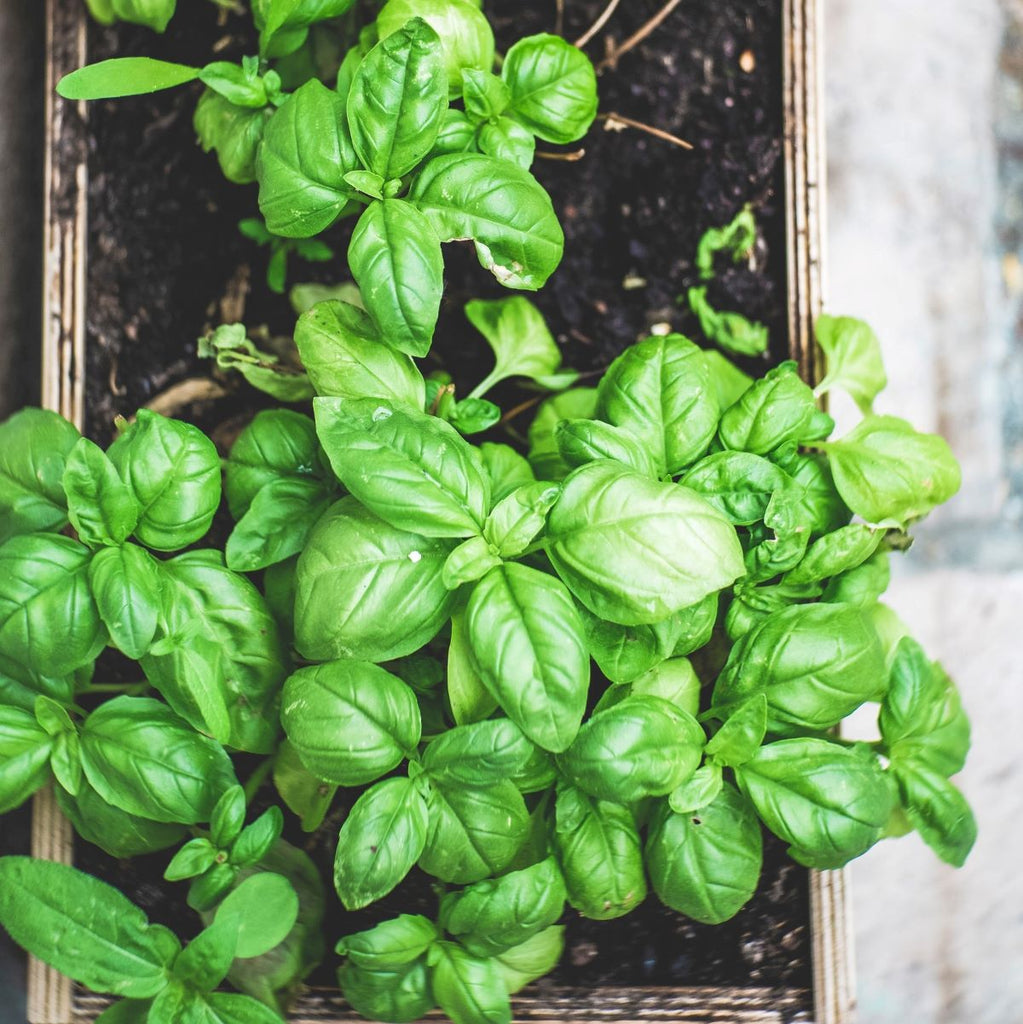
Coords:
pixel 166 262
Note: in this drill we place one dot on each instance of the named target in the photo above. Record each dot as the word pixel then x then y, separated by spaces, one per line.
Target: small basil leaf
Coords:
pixel 390 944
pixel 349 721
pixel 401 995
pixel 853 358
pixel 468 989
pixel 472 559
pixel 777 409
pixel 228 817
pixel 258 839
pixel 553 87
pixel 344 354
pixel 483 752
pixel 25 749
pixel 706 864
pixel 233 132
pixel 261 910
pixel 702 789
pixel 379 842
pixel 204 962
pixel 193 859
pixel 532 959
pixel 506 139
pixel 125 76
pixel 125 584
pixel 937 810
pixel 598 847
pixel 836 552
pixel 101 508
pixel 582 441
pixel 468 696
pixel 173 470
pixel 518 517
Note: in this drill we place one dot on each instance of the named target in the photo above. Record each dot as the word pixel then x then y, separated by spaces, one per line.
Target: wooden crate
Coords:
pixel 52 999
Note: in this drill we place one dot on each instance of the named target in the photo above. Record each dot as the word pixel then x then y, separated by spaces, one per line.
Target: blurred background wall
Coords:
pixel 925 171
pixel 925 140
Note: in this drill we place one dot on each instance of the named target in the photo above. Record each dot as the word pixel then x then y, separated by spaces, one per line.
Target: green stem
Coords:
pixel 132 689
pixel 486 384
pixel 257 778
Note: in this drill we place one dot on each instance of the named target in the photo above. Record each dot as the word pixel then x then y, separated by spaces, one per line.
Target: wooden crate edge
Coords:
pixel 50 994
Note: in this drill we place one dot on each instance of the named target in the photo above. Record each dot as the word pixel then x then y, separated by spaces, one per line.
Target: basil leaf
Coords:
pixel 506 139
pixel 83 927
pixel 368 590
pixel 233 132
pixel 890 474
pixel 144 759
pixel 256 840
pixel 426 477
pixel 518 517
pixel 173 470
pixel 126 76
pixel 659 391
pixel 301 163
pixel 44 580
pixel 468 696
pixel 728 382
pixel 853 357
pixel 228 817
pixel 519 337
pixel 395 258
pixel 278 443
pixel 634 550
pixel 397 100
pixel 34 446
pixel 702 789
pixel 194 858
pixel 468 989
pixel 125 583
pixel 390 944
pixel 624 653
pixel 829 802
pixel 101 508
pixel 738 740
pixel 117 832
pixel 262 910
pixel 544 456
pixel 402 995
pixel 706 864
pixel 204 962
pixel 739 484
pixel 553 87
pixel 231 1008
pixel 474 831
pixel 863 585
pixel 815 663
pixel 349 721
pixel 302 792
pixel 532 959
pixel 582 441
pixel 25 749
pixel 777 409
pixel 597 844
pixel 922 717
pixel 275 374
pixel 527 642
pixel 276 524
pixel 937 810
pixel 836 552
pixel 206 605
pixel 483 752
pixel 674 680
pixel 379 842
pixel 641 747
pixel 734 332
pixel 498 205
pixel 496 915
pixel 457 134
pixel 344 355
pixel 504 468
pixel 126 1011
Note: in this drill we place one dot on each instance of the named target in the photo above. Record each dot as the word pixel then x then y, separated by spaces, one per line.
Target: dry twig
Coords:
pixel 571 158
pixel 598 24
pixel 615 122
pixel 638 36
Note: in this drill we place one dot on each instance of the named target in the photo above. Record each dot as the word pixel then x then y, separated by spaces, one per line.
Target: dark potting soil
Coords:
pixel 166 263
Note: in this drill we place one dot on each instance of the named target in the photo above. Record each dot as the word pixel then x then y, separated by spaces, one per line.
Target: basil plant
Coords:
pixel 409 130
pixel 578 677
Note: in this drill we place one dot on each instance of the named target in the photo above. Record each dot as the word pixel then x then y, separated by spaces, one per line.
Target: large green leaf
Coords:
pixel 125 582
pixel 498 205
pixel 425 477
pixel 345 357
pixel 395 258
pixel 144 759
pixel 84 928
pixel 350 721
pixel 398 99
pixel 634 550
pixel 528 644
pixel 368 590
pixel 305 153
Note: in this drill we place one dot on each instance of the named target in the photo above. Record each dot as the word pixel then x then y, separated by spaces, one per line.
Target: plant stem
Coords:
pixel 559 19
pixel 638 36
pixel 614 121
pixel 597 25
pixel 132 689
pixel 255 781
pixel 569 158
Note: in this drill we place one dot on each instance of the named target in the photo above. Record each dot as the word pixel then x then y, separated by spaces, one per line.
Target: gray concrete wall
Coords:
pixel 925 139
